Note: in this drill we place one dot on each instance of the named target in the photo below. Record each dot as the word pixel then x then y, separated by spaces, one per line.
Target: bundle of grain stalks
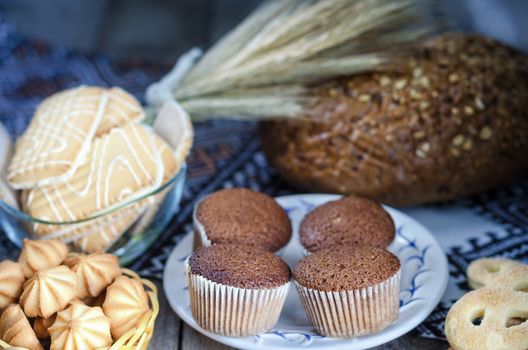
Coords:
pixel 354 98
pixel 264 67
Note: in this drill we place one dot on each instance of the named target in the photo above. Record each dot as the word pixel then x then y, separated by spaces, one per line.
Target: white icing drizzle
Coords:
pixel 125 101
pixel 89 179
pixel 122 108
pixel 126 163
pixel 124 194
pixel 112 117
pixel 141 167
pixel 99 172
pixel 137 154
pixel 59 126
pixel 151 155
pixel 43 165
pixel 51 204
pixel 63 204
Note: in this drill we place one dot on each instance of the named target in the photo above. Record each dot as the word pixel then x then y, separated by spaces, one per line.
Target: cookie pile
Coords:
pixel 495 315
pixel 54 299
pixel 86 153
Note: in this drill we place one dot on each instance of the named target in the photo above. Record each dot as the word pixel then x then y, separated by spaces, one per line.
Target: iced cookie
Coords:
pixel 61 131
pixel 105 231
pixel 122 108
pixel 58 138
pixel 122 166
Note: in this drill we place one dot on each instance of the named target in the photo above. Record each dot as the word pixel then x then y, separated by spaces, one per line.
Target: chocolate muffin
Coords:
pixel 348 221
pixel 237 290
pixel 241 216
pixel 240 266
pixel 349 291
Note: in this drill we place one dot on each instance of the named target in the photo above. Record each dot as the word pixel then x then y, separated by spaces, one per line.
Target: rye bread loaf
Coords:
pixel 450 121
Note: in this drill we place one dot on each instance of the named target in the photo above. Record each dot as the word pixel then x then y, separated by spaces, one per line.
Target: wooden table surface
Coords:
pixel 171 333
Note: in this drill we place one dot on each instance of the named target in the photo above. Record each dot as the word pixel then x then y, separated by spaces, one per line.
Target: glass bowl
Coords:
pixel 146 218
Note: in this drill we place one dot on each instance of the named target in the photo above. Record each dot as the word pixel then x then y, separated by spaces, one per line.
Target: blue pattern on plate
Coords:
pixel 418 255
pixel 300 338
pixel 407 293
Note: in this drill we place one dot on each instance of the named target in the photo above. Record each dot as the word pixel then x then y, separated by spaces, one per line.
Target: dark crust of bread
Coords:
pixel 451 121
pixel 348 221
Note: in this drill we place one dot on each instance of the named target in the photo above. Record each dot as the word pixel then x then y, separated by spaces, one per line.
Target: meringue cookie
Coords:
pixel 80 327
pixel 49 291
pixel 11 282
pixel 40 255
pixel 16 330
pixel 126 304
pixel 94 272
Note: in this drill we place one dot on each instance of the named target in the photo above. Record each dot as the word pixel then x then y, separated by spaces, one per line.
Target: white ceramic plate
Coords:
pixel 424 280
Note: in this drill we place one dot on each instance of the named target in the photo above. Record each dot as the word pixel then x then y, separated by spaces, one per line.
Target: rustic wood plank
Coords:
pixel 172 334
pixel 168 325
pixel 414 342
pixel 193 340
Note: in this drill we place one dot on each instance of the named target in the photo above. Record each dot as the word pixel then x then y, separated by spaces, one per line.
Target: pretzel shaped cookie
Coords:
pixel 515 279
pixel 482 272
pixel 489 319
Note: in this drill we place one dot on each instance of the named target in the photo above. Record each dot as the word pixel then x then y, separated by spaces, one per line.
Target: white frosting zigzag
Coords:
pixel 123 165
pixel 58 139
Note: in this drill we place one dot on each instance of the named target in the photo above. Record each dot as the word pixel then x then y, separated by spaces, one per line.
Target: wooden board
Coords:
pixel 172 334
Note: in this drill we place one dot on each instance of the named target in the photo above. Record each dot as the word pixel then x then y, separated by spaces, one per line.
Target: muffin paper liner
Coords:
pixel 200 237
pixel 232 311
pixel 352 313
